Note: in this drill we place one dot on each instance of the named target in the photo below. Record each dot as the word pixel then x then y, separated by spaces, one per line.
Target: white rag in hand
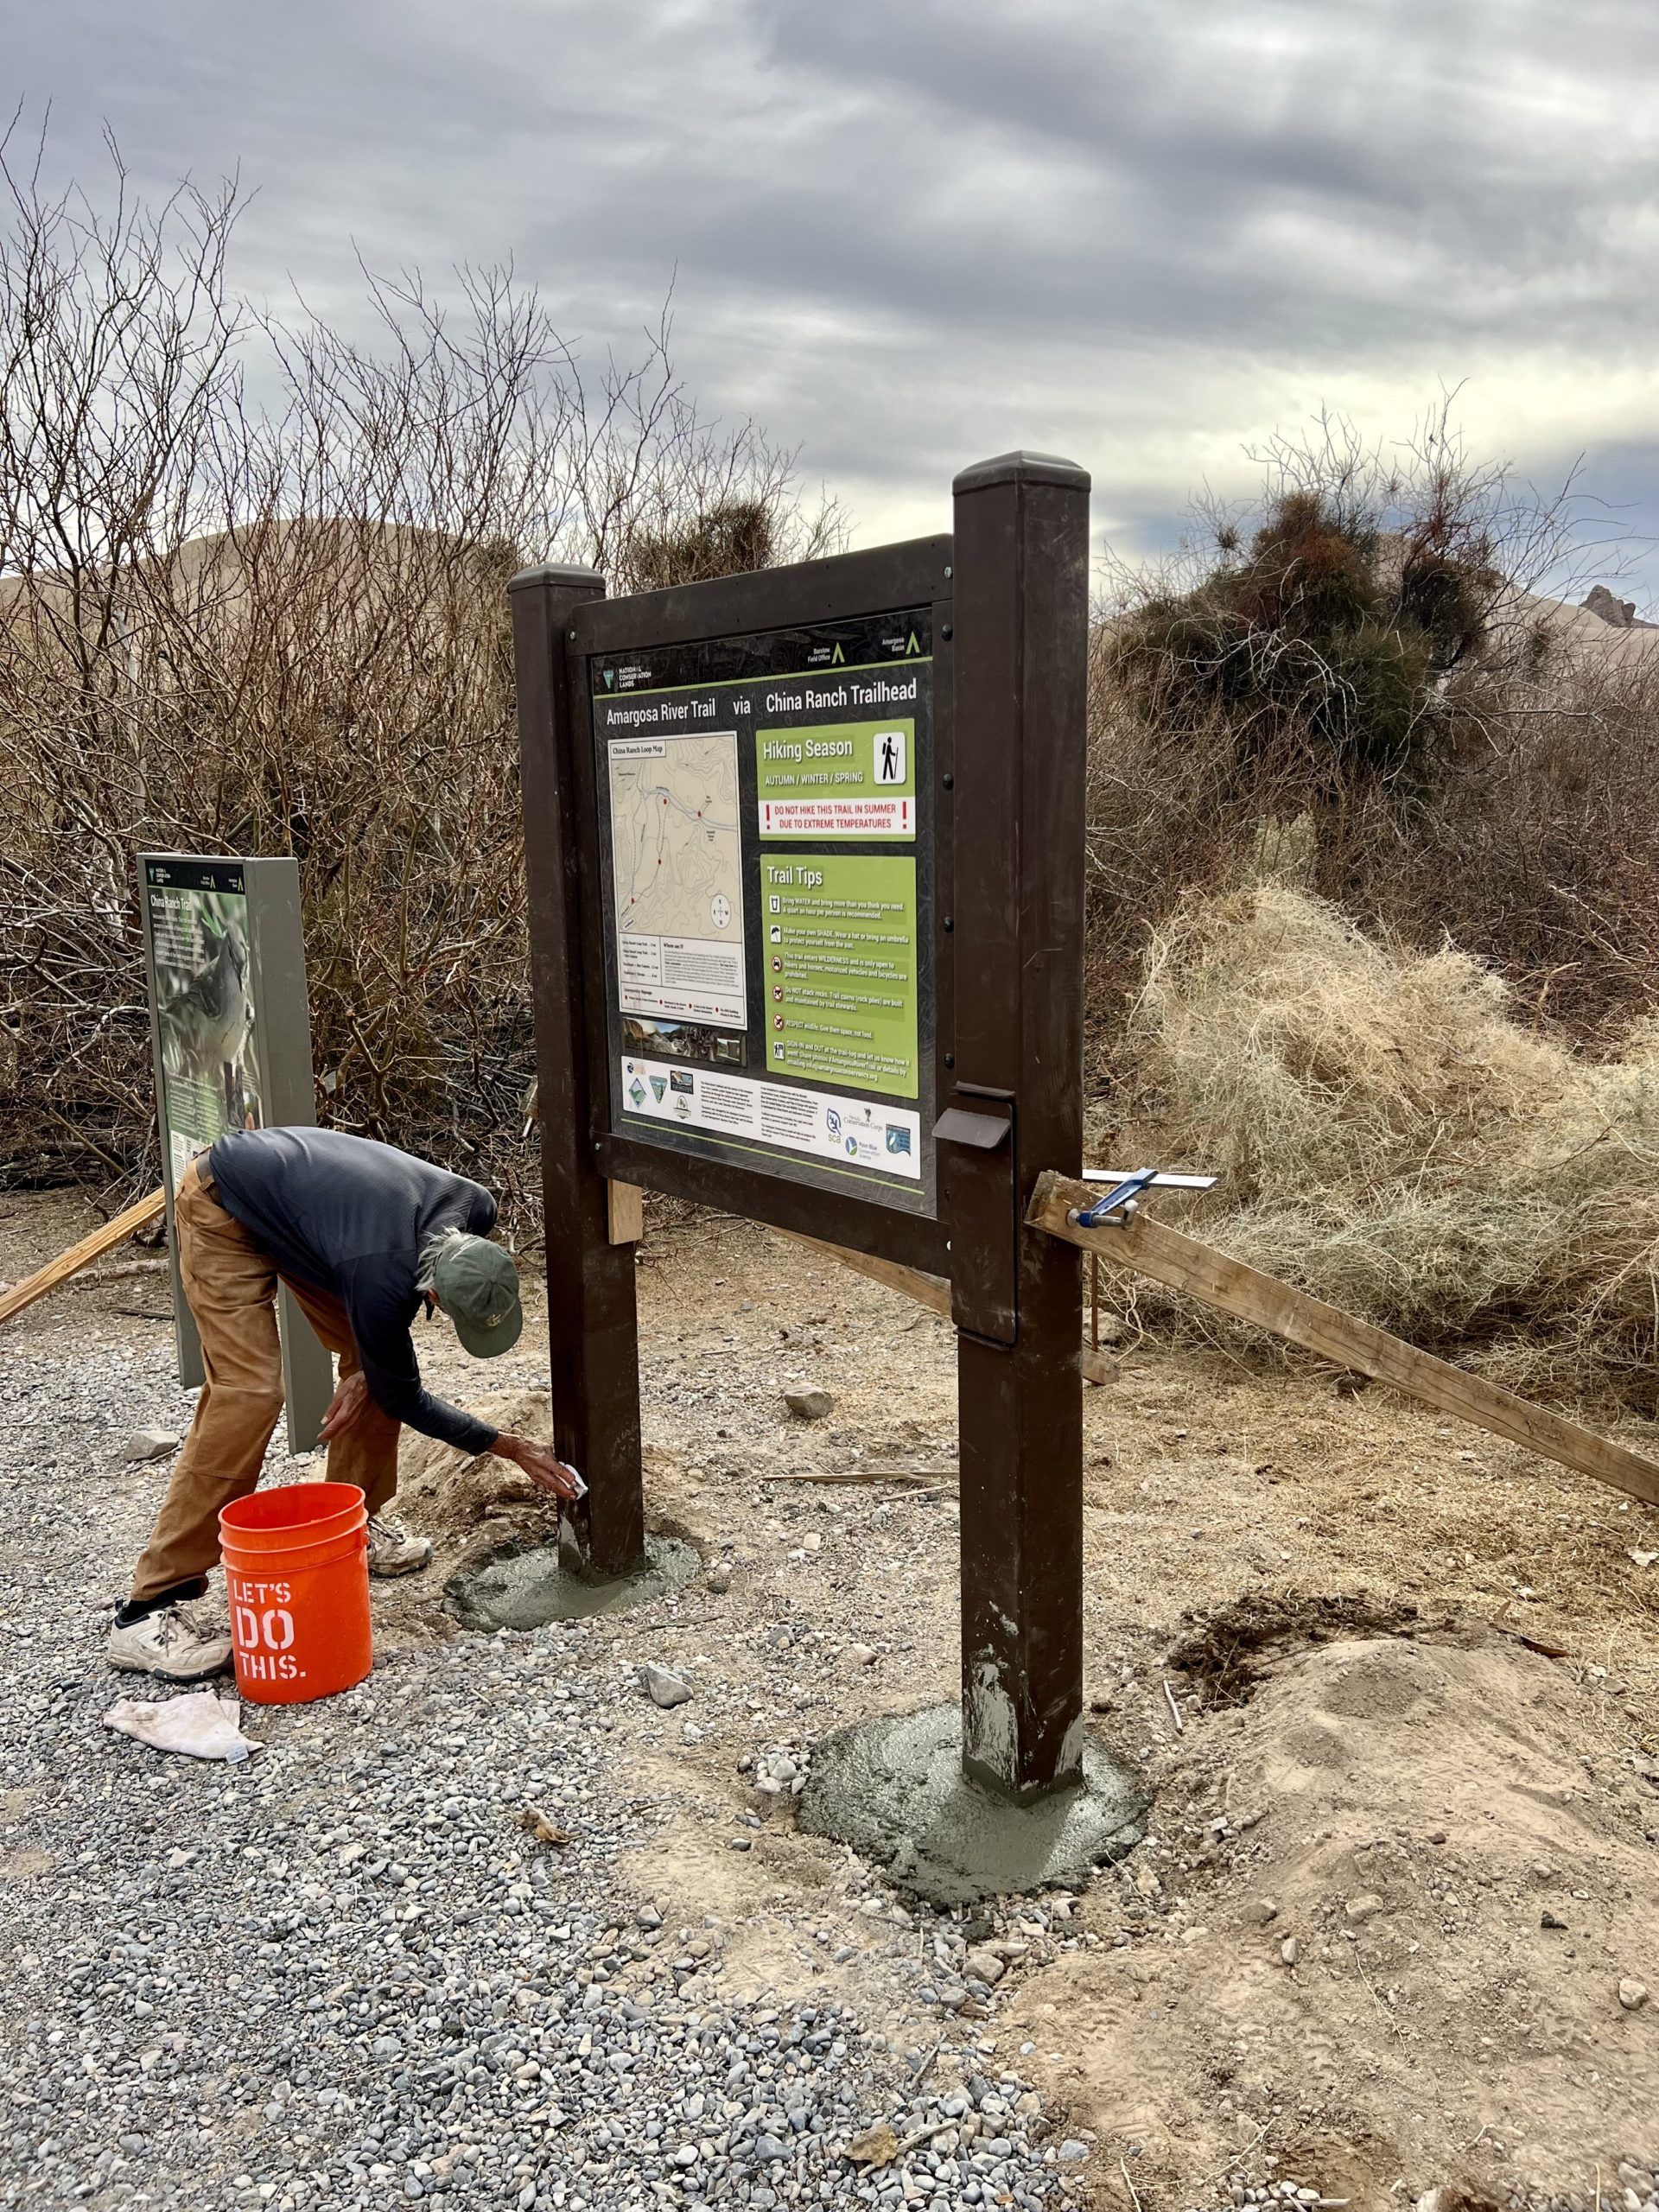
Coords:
pixel 200 1726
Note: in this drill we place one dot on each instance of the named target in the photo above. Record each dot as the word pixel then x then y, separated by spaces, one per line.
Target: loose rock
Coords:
pixel 810 1405
pixel 663 1688
pixel 876 2146
pixel 150 1443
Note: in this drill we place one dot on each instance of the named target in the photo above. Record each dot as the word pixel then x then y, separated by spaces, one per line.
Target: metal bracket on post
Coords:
pixel 984 1218
pixel 983 1132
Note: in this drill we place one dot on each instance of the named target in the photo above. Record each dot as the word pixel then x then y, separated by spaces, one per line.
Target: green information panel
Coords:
pixel 841 779
pixel 841 970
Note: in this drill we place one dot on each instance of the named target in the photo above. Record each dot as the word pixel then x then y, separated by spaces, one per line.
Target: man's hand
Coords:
pixel 345 1407
pixel 543 1465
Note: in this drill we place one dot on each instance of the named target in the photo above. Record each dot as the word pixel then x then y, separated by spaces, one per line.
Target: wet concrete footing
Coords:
pixel 526 1585
pixel 893 1789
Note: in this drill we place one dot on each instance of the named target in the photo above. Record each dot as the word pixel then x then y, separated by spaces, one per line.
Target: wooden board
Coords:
pixel 932 1291
pixel 624 1213
pixel 1149 1248
pixel 82 1255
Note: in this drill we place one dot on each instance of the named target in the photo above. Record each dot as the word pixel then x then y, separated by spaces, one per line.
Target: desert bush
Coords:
pixel 1365 656
pixel 1340 631
pixel 231 627
pixel 1389 1135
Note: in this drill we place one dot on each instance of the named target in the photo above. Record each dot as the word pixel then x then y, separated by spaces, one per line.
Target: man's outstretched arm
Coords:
pixel 539 1461
pixel 390 1375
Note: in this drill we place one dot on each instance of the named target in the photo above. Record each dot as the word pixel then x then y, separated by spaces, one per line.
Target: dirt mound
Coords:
pixel 472 1506
pixel 483 1514
pixel 1230 1650
pixel 1395 1928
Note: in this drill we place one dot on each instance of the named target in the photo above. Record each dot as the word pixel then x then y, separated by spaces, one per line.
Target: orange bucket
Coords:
pixel 296 1572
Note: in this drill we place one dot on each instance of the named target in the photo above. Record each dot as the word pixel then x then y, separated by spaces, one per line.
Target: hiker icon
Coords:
pixel 890 756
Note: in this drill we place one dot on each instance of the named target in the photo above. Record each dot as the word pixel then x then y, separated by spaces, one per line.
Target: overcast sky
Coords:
pixel 910 234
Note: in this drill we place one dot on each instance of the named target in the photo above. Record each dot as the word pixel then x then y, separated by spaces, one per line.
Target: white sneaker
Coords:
pixel 391 1552
pixel 171 1646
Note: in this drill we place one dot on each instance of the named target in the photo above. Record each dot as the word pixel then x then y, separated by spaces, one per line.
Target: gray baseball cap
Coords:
pixel 477 1285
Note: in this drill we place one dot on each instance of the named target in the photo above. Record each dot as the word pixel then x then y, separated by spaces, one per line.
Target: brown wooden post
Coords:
pixel 591 1322
pixel 1021 651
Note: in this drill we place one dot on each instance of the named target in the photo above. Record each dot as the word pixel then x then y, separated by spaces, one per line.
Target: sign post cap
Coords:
pixel 571 574
pixel 1021 468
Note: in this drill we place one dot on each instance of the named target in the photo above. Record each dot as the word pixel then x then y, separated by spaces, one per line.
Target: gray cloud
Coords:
pixel 909 233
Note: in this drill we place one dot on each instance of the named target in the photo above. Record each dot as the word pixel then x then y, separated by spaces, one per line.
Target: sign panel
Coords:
pixel 766 843
pixel 197 913
pixel 759 1006
pixel 231 1031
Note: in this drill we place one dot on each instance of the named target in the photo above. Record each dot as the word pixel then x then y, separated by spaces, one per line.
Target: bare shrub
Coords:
pixel 1540 852
pixel 1374 850
pixel 1350 627
pixel 285 628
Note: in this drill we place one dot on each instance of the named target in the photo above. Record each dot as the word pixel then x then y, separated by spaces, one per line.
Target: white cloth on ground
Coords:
pixel 201 1726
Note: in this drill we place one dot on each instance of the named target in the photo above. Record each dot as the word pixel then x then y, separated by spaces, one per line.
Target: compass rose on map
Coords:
pixel 720 907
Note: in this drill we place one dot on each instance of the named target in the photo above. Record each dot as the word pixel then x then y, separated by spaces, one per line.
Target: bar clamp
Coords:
pixel 1121 1200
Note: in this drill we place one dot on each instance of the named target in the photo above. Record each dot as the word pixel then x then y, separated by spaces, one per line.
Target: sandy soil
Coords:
pixel 1400 1908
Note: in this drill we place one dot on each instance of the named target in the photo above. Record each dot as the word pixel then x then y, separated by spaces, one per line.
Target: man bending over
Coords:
pixel 362 1235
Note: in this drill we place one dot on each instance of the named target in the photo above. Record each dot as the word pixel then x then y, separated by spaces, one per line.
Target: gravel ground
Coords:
pixel 344 1972
pixel 178 1953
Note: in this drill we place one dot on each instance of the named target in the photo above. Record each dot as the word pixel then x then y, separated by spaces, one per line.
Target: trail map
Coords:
pixel 677 868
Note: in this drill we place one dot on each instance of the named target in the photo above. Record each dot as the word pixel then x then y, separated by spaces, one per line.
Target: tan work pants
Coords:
pixel 232 1287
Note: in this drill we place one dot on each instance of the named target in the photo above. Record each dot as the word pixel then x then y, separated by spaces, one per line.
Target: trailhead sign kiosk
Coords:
pixel 766 898
pixel 805 852
pixel 231 1036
